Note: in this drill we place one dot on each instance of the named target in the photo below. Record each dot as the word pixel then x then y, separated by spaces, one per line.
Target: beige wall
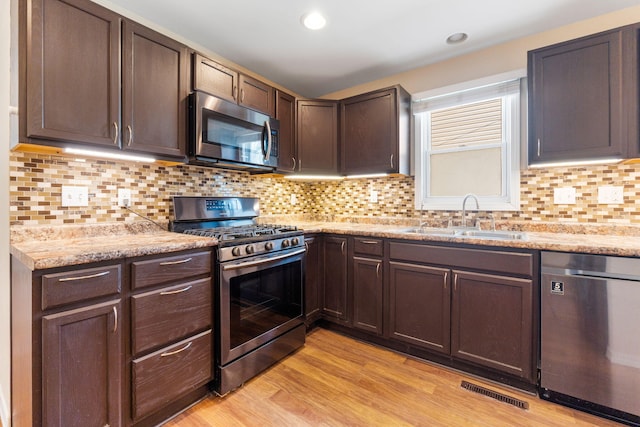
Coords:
pixel 5 355
pixel 494 60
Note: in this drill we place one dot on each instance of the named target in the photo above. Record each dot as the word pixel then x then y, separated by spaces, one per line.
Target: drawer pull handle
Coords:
pixel 171 353
pixel 177 291
pixel 182 261
pixel 369 242
pixel 115 319
pixel 90 276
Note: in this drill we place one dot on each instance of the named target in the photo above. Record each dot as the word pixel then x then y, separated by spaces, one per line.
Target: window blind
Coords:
pixel 469 125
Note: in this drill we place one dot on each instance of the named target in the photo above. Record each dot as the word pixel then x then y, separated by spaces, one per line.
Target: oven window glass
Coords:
pixel 263 300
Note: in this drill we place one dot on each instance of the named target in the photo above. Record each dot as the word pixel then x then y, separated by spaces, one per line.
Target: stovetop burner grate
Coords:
pixel 242 232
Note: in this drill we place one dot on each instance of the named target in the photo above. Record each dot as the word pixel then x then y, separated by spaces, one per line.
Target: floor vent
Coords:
pixel 495 395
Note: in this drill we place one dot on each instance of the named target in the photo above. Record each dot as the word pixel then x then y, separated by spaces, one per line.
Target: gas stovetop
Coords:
pixel 232 220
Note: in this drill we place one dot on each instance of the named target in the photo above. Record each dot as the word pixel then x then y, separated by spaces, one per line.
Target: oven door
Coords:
pixel 260 298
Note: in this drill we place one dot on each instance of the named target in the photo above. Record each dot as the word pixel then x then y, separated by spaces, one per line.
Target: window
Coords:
pixel 468 141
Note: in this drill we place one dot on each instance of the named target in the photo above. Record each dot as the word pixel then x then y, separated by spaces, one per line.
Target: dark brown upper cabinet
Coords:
pixel 71 69
pixel 583 98
pixel 317 136
pixel 80 65
pixel 223 82
pixel 286 114
pixel 155 87
pixel 375 132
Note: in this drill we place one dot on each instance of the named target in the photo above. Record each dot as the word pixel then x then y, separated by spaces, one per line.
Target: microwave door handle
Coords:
pixel 268 128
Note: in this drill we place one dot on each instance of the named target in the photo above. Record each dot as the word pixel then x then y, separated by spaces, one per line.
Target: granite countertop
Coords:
pixel 42 247
pixel 610 240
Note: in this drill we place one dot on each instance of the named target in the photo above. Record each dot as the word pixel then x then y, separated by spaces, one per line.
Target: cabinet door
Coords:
pixel 72 73
pixel 317 136
pixel 492 322
pixel 576 104
pixel 214 78
pixel 367 294
pixel 286 114
pixel 369 129
pixel 155 90
pixel 256 95
pixel 334 301
pixel 419 305
pixel 82 366
pixel 313 279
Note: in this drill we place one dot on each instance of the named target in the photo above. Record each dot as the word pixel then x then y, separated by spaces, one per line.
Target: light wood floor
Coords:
pixel 337 381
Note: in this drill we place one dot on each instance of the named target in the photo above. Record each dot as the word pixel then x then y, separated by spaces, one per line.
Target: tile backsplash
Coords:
pixel 36 182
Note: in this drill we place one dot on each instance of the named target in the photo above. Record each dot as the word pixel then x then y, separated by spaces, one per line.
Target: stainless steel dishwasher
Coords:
pixel 590 334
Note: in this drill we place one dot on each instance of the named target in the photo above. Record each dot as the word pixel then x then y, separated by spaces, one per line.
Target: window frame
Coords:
pixel 514 116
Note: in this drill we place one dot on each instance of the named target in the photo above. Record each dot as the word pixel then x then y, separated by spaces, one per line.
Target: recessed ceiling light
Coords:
pixel 456 38
pixel 313 20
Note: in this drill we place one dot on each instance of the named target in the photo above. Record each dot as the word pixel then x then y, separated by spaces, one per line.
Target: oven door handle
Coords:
pixel 261 261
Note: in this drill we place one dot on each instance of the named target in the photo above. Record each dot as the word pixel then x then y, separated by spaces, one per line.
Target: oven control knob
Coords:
pixel 295 241
pixel 235 251
pixel 285 243
pixel 249 249
pixel 268 246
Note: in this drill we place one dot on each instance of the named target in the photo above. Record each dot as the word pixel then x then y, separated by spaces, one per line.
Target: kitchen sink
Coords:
pixel 468 232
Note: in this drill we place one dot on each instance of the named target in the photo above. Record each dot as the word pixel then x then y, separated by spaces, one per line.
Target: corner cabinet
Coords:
pixel 71 77
pixel 375 132
pixel 317 136
pixel 568 122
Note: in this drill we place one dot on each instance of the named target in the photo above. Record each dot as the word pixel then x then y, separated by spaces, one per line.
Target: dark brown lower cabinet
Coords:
pixel 419 305
pixel 313 278
pixel 334 298
pixel 491 321
pixel 367 294
pixel 82 366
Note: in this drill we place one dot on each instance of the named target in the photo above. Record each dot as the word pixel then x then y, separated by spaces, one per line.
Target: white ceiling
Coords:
pixel 364 40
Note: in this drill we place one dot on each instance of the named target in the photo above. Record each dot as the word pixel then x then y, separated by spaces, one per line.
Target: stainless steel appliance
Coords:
pixel 259 285
pixel 590 342
pixel 224 134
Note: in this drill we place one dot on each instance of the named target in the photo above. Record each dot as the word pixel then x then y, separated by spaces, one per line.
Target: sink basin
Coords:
pixel 466 232
pixel 500 235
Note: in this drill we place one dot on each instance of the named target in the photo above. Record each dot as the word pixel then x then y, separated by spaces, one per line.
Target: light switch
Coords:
pixel 75 196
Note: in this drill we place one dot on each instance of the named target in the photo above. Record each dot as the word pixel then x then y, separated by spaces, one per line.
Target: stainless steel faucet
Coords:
pixel 464 208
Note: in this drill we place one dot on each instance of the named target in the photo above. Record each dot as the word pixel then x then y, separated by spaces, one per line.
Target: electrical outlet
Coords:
pixel 75 196
pixel 564 196
pixel 611 195
pixel 124 197
pixel 294 199
pixel 373 196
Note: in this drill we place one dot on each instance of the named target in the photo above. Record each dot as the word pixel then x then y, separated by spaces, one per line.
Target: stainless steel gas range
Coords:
pixel 259 286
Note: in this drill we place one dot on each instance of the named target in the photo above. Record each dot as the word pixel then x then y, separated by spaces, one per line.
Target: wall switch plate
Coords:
pixel 564 196
pixel 124 197
pixel 611 195
pixel 75 196
pixel 293 199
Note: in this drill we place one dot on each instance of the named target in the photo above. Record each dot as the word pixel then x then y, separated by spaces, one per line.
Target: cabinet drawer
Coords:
pixel 165 375
pixel 165 315
pixel 71 286
pixel 164 270
pixel 488 260
pixel 366 246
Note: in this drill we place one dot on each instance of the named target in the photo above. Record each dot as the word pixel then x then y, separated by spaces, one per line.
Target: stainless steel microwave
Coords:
pixel 225 134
